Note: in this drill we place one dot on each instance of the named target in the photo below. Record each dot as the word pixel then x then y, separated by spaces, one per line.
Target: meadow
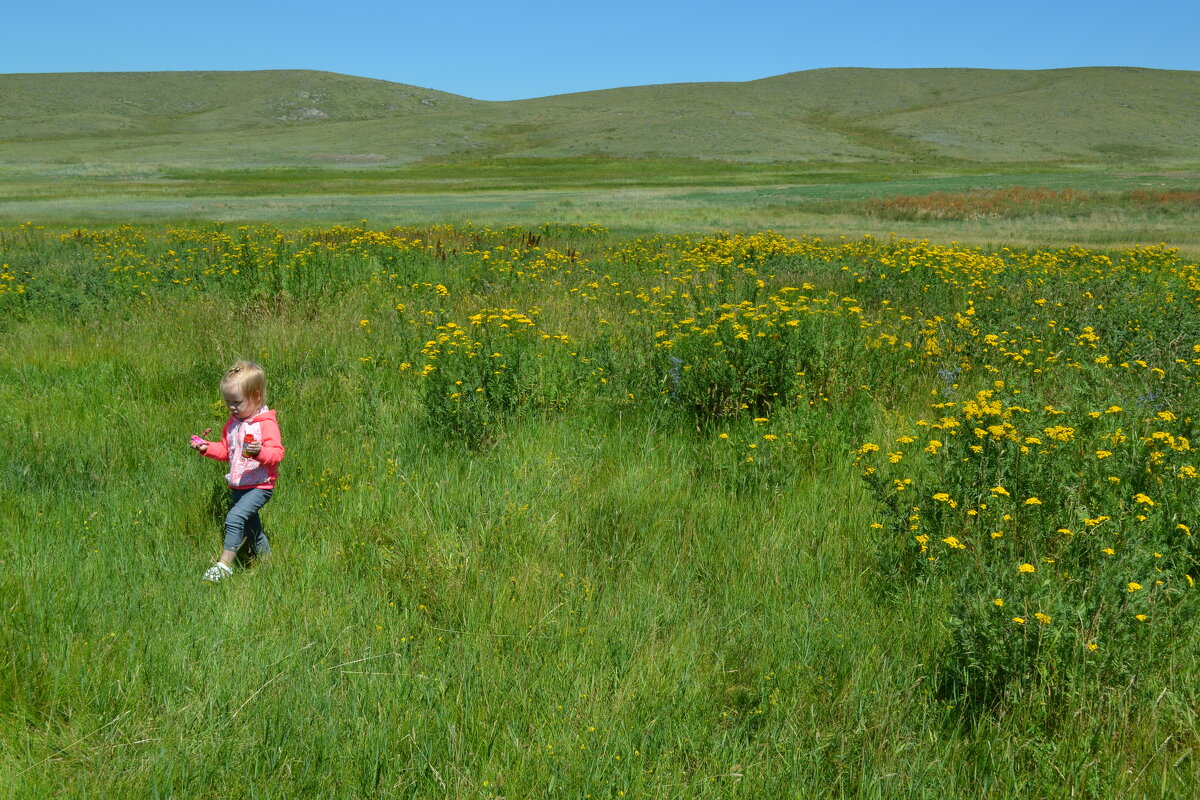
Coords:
pixel 1035 206
pixel 576 512
pixel 805 153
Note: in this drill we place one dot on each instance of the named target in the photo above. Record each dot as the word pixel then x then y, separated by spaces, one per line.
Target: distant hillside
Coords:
pixel 252 119
pixel 87 104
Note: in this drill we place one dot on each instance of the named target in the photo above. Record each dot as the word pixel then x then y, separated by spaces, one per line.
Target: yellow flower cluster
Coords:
pixel 1069 456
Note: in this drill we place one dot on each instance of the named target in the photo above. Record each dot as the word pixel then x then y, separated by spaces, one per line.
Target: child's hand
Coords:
pixel 198 444
pixel 252 449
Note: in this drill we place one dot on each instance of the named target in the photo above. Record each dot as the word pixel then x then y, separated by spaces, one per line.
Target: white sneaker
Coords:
pixel 217 571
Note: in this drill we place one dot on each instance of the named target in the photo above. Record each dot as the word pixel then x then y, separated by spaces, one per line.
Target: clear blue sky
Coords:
pixel 512 49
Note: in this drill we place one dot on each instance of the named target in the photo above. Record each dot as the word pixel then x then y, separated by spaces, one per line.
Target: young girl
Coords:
pixel 251 444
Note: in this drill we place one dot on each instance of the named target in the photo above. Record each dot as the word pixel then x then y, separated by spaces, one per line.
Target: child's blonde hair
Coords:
pixel 249 378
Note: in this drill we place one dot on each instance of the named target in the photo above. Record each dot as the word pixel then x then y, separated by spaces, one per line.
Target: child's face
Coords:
pixel 241 407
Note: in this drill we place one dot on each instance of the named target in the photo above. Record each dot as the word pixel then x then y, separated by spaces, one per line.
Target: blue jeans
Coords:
pixel 242 522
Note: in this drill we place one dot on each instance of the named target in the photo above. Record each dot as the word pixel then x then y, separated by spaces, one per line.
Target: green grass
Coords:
pixel 631 196
pixel 581 591
pixel 799 153
pixel 600 597
pixel 439 620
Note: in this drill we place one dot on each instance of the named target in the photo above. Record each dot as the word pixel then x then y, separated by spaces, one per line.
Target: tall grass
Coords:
pixel 561 515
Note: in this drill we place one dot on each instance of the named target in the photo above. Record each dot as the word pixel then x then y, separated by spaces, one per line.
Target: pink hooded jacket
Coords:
pixel 246 472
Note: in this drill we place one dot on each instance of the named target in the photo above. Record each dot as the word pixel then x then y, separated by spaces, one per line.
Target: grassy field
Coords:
pixel 894 499
pixel 569 513
pixel 1090 207
pixel 825 152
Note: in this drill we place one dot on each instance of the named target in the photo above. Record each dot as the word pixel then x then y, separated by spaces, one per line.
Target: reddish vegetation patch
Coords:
pixel 1147 198
pixel 1018 201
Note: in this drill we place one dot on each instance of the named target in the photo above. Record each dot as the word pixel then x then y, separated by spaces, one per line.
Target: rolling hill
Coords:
pixel 231 120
